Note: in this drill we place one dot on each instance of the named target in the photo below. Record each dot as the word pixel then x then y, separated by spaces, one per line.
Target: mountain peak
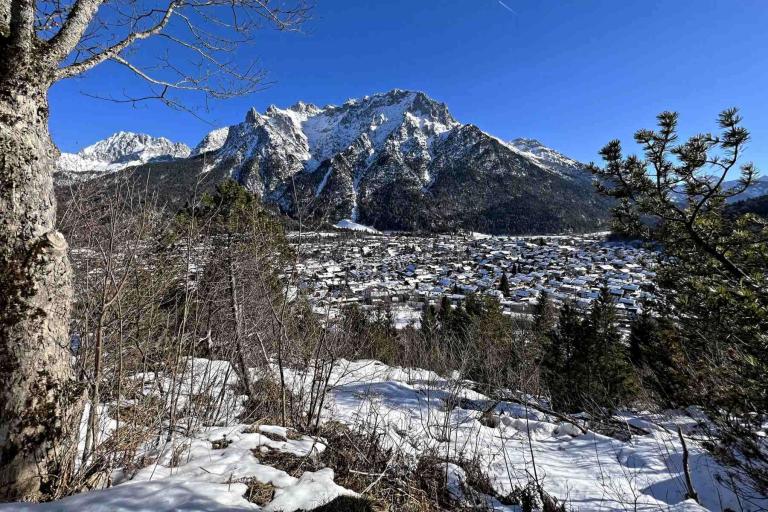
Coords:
pixel 304 108
pixel 119 150
pixel 394 160
pixel 549 158
pixel 309 135
pixel 527 142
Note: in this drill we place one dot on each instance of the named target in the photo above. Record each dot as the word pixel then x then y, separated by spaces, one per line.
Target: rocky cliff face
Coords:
pixel 396 160
pixel 399 160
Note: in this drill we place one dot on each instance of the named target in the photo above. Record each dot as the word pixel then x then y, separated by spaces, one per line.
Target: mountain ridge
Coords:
pixel 118 151
pixel 398 160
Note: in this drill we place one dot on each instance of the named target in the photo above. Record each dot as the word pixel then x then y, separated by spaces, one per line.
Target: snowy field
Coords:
pixel 416 411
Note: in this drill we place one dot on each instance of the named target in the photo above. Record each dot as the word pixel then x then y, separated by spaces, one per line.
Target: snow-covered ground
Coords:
pixel 354 226
pixel 417 411
pixel 588 471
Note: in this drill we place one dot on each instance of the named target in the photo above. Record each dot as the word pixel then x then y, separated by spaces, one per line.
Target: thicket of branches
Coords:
pixel 155 291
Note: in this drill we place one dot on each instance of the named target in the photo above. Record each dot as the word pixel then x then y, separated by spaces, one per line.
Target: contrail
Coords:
pixel 507 7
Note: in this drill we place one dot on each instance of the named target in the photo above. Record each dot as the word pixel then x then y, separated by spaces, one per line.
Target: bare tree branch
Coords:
pixel 114 50
pixel 72 32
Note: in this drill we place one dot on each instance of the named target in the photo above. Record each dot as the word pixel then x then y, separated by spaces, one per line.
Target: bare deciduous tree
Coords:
pixel 194 43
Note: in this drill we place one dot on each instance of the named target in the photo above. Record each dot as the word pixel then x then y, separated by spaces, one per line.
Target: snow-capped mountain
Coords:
pixel 399 160
pixel 548 158
pixel 212 141
pixel 121 150
pixel 393 161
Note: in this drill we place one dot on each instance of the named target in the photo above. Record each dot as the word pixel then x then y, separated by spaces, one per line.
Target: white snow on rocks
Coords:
pixel 549 159
pixel 313 489
pixel 305 135
pixel 121 150
pixel 212 141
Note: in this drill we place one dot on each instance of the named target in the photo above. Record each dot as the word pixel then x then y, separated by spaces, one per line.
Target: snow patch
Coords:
pixel 354 226
pixel 312 490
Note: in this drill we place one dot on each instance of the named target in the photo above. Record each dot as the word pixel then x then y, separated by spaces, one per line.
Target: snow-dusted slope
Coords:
pixel 268 149
pixel 393 161
pixel 549 159
pixel 399 160
pixel 414 413
pixel 313 134
pixel 121 150
pixel 759 187
pixel 354 226
pixel 212 141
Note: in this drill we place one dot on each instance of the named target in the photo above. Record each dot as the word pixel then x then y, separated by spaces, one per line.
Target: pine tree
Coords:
pixel 714 272
pixel 558 370
pixel 641 338
pixel 428 321
pixel 444 313
pixel 655 350
pixel 459 322
pixel 610 379
pixel 504 285
pixel 585 361
pixel 544 315
pixel 473 306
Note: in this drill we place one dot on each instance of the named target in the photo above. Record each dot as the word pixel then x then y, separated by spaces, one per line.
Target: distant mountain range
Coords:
pixel 121 150
pixel 394 161
pixel 759 187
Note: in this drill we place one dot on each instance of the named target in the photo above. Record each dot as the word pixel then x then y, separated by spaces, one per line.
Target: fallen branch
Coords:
pixel 691 494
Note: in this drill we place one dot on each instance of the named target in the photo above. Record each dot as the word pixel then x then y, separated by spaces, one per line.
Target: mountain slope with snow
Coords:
pixel 392 161
pixel 549 159
pixel 120 150
pixel 759 187
pixel 211 142
pixel 400 160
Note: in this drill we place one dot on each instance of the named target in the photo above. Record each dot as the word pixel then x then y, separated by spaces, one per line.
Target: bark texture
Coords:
pixel 38 395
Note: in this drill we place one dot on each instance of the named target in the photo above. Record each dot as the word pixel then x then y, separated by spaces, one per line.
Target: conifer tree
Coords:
pixel 428 321
pixel 473 306
pixel 544 315
pixel 656 351
pixel 459 322
pixel 558 371
pixel 604 358
pixel 504 285
pixel 444 313
pixel 713 272
pixel 641 338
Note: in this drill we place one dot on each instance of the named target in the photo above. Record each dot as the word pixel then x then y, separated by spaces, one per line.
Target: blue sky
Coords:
pixel 573 74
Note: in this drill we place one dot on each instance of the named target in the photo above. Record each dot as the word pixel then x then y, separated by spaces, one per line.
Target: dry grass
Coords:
pixel 288 462
pixel 258 492
pixel 265 406
pixel 360 464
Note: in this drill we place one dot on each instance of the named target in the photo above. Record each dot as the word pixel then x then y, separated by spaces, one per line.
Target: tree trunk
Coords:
pixel 39 396
pixel 237 317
